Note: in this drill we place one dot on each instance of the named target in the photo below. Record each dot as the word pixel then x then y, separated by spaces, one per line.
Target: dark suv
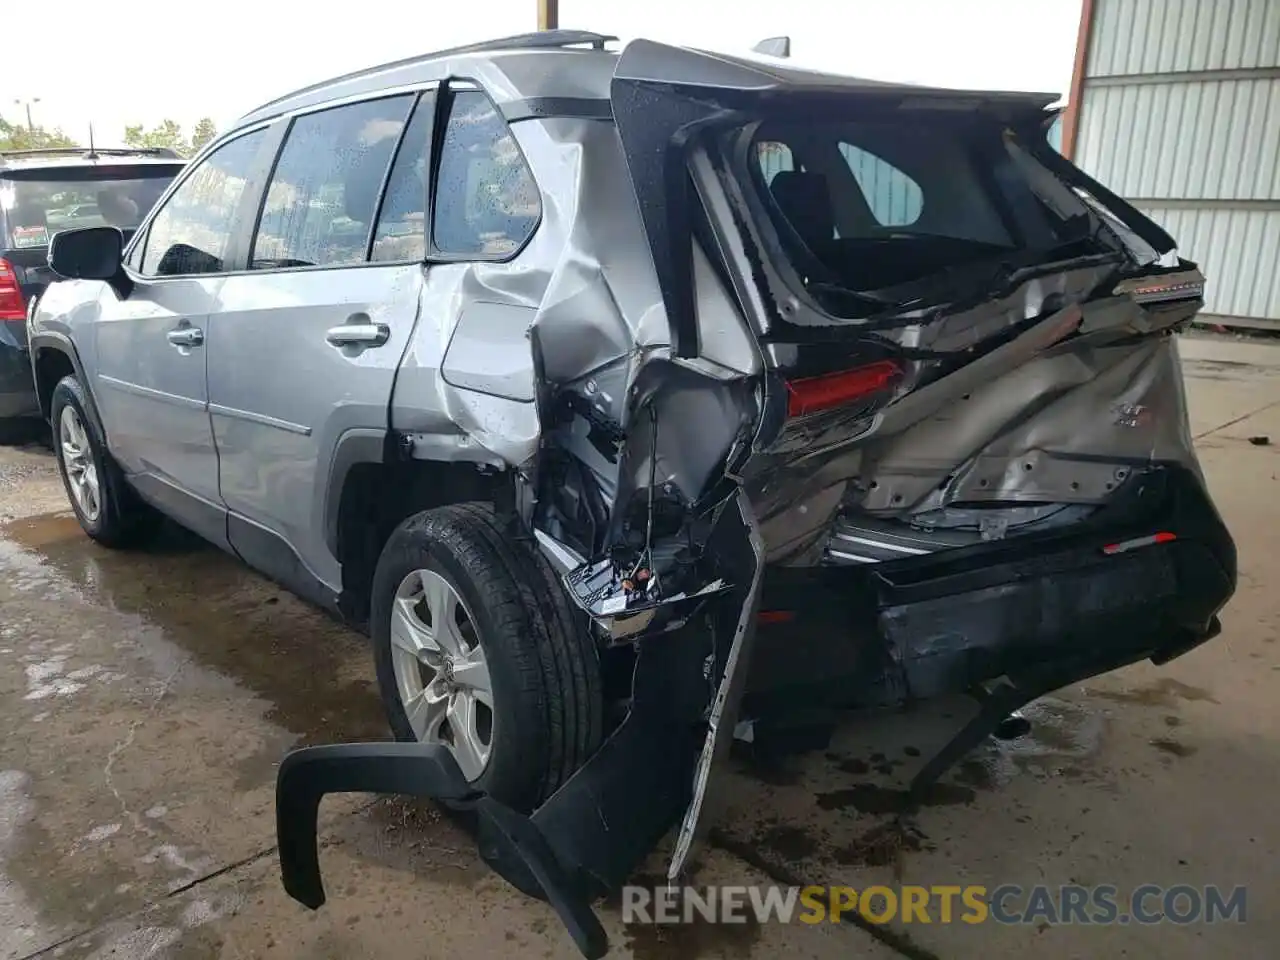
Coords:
pixel 41 193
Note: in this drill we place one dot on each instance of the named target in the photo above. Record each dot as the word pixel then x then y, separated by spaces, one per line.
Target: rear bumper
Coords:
pixel 17 388
pixel 913 628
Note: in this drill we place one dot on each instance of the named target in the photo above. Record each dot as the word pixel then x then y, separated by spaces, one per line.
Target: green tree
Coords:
pixel 17 136
pixel 167 135
pixel 204 132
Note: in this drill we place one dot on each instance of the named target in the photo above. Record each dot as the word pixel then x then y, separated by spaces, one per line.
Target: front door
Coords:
pixel 151 346
pixel 304 346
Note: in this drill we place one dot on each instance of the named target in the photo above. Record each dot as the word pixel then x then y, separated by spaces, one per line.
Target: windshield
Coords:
pixel 869 206
pixel 37 204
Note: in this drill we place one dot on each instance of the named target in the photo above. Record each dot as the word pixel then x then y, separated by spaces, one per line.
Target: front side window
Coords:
pixel 487 202
pixel 323 194
pixel 192 231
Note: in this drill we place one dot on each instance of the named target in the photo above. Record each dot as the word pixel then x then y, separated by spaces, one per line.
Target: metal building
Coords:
pixel 1175 105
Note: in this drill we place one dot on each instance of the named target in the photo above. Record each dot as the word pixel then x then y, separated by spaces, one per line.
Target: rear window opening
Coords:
pixel 38 203
pixel 865 211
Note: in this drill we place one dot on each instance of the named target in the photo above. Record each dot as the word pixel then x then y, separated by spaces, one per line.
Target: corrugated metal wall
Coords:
pixel 1180 114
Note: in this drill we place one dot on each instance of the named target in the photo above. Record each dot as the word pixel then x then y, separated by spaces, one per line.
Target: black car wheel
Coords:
pixel 476 647
pixel 108 510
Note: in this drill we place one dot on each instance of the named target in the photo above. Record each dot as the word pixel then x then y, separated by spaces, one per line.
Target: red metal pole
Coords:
pixel 1071 116
pixel 548 14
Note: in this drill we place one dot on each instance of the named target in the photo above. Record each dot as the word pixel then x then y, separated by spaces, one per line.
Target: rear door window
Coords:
pixel 323 194
pixel 192 231
pixel 487 202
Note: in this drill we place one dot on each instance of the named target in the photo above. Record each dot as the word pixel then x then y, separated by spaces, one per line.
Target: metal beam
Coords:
pixel 548 14
pixel 1071 116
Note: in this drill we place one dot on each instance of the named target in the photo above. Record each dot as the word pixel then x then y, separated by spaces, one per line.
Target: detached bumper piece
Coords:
pixel 582 843
pixel 652 773
pixel 510 843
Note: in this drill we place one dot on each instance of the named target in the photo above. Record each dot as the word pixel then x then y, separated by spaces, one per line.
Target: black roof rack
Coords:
pixel 90 153
pixel 539 40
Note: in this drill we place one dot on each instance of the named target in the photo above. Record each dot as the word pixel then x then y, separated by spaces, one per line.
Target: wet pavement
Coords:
pixel 148 696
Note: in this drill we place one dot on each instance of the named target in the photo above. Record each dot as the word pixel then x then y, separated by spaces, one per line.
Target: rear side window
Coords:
pixel 323 194
pixel 487 202
pixel 401 233
pixel 774 158
pixel 192 231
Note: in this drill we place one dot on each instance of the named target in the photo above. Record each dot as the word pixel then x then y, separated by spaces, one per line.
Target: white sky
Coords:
pixel 183 61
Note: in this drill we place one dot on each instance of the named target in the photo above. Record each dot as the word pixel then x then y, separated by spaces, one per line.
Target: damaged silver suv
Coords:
pixel 633 397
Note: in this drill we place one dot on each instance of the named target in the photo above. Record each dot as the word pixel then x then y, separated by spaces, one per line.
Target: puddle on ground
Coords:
pixel 882 846
pixel 1063 735
pixel 315 672
pixel 788 841
pixel 179 612
pixel 875 799
pixel 687 941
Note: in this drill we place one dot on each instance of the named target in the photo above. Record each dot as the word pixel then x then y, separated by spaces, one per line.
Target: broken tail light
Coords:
pixel 813 394
pixel 13 306
pixel 1126 545
pixel 766 617
pixel 1159 290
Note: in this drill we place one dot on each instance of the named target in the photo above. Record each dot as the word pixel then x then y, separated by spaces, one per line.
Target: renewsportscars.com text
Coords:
pixel 941 903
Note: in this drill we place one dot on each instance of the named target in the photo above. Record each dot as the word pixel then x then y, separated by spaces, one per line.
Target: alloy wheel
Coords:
pixel 78 462
pixel 441 671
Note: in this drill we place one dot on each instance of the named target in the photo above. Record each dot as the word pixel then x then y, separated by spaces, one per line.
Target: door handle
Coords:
pixel 362 334
pixel 186 337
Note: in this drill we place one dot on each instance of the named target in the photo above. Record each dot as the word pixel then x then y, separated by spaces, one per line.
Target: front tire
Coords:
pixel 476 647
pixel 108 510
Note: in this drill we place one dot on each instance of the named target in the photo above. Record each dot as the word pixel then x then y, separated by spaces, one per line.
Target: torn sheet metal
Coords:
pixel 723 717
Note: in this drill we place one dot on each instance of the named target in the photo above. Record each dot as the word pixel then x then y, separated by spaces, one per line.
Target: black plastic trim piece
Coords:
pixel 547 108
pixel 509 841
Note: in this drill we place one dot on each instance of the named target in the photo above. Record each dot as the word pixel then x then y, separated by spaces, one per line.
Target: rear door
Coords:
pixel 149 380
pixel 304 344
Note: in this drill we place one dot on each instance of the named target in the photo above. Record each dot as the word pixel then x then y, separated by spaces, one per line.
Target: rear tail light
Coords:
pixel 812 394
pixel 1157 290
pixel 1125 546
pixel 775 616
pixel 13 306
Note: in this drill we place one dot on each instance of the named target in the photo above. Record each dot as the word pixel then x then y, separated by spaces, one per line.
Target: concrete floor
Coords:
pixel 146 698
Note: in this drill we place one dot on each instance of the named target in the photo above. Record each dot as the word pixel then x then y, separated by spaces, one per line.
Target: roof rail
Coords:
pixel 540 40
pixel 91 152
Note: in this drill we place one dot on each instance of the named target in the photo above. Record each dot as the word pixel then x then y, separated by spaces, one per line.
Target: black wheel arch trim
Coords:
pixel 352 448
pixel 60 342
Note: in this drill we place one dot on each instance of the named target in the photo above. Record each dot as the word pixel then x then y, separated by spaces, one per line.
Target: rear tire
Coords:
pixel 107 508
pixel 546 716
